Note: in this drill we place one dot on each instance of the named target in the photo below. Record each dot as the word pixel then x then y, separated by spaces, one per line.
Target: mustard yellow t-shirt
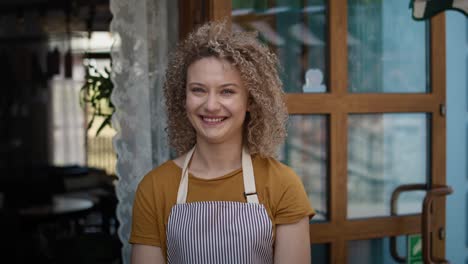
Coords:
pixel 279 189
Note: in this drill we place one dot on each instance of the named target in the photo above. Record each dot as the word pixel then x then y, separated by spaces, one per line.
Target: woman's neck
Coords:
pixel 215 160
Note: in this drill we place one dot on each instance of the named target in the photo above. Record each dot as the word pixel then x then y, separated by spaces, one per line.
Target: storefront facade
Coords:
pixel 370 130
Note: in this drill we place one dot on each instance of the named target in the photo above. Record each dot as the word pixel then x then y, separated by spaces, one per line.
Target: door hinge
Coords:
pixel 441 233
pixel 443 110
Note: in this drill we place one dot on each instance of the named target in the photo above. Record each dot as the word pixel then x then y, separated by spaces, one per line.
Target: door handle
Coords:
pixel 426 222
pixel 393 212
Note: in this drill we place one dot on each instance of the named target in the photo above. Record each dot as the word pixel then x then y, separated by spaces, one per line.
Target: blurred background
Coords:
pixel 57 163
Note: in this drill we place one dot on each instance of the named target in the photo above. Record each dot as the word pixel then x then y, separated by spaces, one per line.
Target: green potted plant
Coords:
pixel 95 93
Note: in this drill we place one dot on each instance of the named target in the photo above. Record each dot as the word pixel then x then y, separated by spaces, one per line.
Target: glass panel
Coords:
pixel 384 152
pixel 295 31
pixel 320 253
pixel 374 251
pixel 305 150
pixel 387 49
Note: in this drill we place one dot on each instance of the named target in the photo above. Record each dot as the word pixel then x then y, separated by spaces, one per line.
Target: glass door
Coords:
pixel 366 95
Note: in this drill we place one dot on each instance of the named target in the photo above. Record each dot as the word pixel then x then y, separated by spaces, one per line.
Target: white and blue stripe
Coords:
pixel 219 232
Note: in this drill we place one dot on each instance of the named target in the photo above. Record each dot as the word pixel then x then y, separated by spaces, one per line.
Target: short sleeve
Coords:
pixel 293 204
pixel 144 219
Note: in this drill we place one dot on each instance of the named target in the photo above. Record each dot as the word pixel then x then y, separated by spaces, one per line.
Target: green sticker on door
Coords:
pixel 414 255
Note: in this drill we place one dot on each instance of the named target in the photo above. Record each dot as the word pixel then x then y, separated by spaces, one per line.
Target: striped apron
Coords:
pixel 220 231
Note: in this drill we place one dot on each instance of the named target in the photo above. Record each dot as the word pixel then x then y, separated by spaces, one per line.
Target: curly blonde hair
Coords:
pixel 264 127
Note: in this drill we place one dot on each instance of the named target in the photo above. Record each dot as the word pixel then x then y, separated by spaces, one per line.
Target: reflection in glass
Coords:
pixel 387 49
pixel 305 150
pixel 384 152
pixel 374 251
pixel 295 31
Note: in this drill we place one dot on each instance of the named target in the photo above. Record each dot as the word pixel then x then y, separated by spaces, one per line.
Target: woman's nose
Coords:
pixel 212 102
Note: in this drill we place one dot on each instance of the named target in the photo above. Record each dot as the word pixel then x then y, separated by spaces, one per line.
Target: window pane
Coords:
pixel 375 251
pixel 387 49
pixel 320 253
pixel 305 150
pixel 384 152
pixel 296 32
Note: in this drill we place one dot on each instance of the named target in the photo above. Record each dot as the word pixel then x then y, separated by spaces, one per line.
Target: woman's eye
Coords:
pixel 197 90
pixel 227 91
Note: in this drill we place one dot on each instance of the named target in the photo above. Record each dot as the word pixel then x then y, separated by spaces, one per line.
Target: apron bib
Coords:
pixel 220 231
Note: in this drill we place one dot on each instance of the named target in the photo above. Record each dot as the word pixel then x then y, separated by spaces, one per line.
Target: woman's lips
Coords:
pixel 212 120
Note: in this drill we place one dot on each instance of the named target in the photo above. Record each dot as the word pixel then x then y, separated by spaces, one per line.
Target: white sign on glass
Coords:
pixel 313 82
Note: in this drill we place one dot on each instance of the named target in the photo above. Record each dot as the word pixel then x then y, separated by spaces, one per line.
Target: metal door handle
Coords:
pixel 393 211
pixel 426 222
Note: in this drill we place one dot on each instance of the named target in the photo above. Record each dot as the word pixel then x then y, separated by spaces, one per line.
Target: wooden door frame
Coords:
pixel 193 13
pixel 337 105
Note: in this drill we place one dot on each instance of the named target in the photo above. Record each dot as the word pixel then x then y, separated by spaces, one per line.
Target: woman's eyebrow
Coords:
pixel 221 86
pixel 229 84
pixel 195 83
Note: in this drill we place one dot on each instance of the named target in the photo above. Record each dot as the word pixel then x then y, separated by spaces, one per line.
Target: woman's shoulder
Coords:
pixel 272 168
pixel 167 173
pixel 168 167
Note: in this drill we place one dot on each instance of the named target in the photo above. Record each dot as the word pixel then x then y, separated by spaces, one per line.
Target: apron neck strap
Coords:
pixel 183 186
pixel 250 192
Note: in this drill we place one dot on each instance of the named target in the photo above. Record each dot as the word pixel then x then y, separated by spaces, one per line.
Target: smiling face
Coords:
pixel 216 101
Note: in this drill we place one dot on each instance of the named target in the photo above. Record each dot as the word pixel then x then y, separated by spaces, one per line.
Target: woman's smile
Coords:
pixel 212 121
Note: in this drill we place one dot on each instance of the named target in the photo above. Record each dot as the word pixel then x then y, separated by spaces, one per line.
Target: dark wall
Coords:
pixel 25 103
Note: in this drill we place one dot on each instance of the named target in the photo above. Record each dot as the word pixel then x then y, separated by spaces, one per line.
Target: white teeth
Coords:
pixel 212 120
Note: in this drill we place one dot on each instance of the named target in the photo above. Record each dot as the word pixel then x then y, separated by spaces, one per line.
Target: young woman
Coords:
pixel 225 199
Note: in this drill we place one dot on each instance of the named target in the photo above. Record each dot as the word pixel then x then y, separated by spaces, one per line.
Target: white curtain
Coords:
pixel 68 132
pixel 144 31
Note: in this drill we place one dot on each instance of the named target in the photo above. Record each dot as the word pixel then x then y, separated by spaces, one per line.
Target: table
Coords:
pixel 44 224
pixel 61 205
